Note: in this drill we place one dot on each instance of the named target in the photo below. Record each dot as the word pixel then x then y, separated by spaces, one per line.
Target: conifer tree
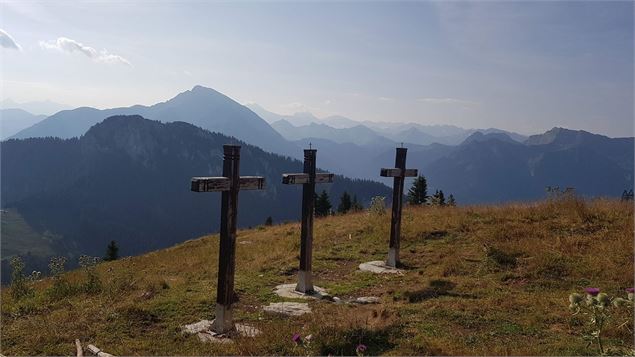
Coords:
pixel 438 199
pixel 345 203
pixel 356 206
pixel 269 221
pixel 323 205
pixel 451 200
pixel 418 193
pixel 112 251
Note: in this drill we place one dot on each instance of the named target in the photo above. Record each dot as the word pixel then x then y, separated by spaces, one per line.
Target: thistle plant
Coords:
pixel 377 206
pixel 300 342
pixel 600 308
pixel 88 264
pixel 60 287
pixel 19 282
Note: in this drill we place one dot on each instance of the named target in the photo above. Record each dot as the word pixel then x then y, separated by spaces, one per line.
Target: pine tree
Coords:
pixel 269 221
pixel 438 199
pixel 418 193
pixel 112 251
pixel 322 205
pixel 356 206
pixel 441 198
pixel 451 200
pixel 345 203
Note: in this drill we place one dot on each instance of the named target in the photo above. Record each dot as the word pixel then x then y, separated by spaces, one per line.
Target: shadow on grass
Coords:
pixel 436 289
pixel 346 342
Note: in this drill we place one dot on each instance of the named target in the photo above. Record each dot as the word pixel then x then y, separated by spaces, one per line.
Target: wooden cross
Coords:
pixel 399 173
pixel 229 184
pixel 308 179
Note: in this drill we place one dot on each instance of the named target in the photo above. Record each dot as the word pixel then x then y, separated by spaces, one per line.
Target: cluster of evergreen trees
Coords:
pixel 323 206
pixel 418 195
pixel 627 195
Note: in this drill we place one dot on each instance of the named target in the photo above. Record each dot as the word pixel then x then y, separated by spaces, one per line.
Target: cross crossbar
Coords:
pixel 302 178
pixel 398 173
pixel 221 183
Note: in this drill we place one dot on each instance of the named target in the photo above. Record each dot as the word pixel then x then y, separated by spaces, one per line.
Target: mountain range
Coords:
pixel 14 120
pixel 200 106
pixel 128 179
pixel 357 149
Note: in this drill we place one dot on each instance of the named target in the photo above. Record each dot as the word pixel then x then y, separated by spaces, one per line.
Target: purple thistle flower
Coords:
pixel 592 291
pixel 361 348
pixel 296 338
pixel 630 290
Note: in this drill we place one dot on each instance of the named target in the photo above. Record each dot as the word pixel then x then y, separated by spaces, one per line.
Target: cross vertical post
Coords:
pixel 305 278
pixel 308 179
pixel 397 198
pixel 399 173
pixel 227 252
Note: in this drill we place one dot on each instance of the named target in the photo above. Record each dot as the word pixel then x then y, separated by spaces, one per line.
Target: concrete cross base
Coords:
pixel 288 291
pixel 379 267
pixel 203 329
pixel 288 308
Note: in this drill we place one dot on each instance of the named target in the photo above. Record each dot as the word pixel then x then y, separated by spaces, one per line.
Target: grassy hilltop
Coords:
pixel 479 280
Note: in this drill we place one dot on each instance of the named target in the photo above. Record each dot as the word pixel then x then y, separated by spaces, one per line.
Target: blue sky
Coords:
pixel 522 66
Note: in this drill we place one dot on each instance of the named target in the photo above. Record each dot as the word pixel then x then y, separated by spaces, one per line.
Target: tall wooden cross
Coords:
pixel 399 173
pixel 229 184
pixel 308 179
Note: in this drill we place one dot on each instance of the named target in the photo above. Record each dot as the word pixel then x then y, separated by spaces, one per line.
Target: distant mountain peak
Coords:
pixel 562 136
pixel 482 137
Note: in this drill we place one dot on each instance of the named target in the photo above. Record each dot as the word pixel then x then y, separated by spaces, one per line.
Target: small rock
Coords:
pixel 367 300
pixel 379 267
pixel 288 291
pixel 288 308
pixel 203 325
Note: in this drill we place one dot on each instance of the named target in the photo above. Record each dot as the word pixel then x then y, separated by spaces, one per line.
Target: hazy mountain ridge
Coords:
pixel 498 169
pixel 13 120
pixel 45 107
pixel 200 106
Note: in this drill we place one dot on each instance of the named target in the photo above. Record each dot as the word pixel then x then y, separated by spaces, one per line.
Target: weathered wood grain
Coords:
pixel 398 172
pixel 219 184
pixel 302 178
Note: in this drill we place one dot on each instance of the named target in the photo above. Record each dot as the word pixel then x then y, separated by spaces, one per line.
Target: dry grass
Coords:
pixel 480 280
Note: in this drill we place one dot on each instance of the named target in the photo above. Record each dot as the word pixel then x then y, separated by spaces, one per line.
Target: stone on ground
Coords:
pixel 379 267
pixel 288 308
pixel 202 329
pixel 367 300
pixel 288 291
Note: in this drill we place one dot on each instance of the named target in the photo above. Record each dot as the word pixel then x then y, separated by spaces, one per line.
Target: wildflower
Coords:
pixel 296 338
pixel 592 291
pixel 360 349
pixel 630 292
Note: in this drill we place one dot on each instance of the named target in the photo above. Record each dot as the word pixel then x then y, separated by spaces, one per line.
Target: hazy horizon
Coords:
pixel 523 67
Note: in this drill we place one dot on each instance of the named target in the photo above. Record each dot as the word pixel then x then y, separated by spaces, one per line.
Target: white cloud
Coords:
pixel 67 45
pixel 7 41
pixel 386 99
pixel 447 101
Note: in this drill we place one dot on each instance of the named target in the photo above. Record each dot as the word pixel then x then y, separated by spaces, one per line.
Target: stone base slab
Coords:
pixel 288 291
pixel 379 267
pixel 203 329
